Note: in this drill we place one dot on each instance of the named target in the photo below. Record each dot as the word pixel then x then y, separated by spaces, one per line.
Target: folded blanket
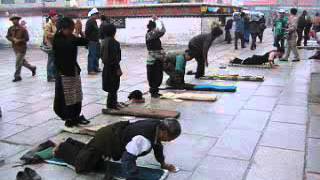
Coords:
pixel 233 77
pixel 263 66
pixel 190 96
pixel 143 112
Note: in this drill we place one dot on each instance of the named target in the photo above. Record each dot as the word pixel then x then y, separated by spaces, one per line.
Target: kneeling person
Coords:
pixel 123 140
pixel 175 65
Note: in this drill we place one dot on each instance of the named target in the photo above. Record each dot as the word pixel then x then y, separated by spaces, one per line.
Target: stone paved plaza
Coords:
pixel 264 131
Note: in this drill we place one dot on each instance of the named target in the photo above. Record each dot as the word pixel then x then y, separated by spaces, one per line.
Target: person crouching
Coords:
pixel 111 57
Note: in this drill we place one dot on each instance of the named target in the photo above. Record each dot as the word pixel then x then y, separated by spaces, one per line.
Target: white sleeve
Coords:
pixel 138 145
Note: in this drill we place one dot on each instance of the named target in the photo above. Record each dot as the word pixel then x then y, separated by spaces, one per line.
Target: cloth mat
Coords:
pixel 87 130
pixel 235 77
pixel 115 170
pixel 205 88
pixel 263 66
pixel 143 112
pixel 190 96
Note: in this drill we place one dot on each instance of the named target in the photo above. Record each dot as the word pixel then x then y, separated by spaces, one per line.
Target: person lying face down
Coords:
pixel 174 65
pixel 268 57
pixel 123 140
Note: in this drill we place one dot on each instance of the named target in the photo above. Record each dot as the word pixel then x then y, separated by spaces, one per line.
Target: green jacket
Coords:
pixel 280 25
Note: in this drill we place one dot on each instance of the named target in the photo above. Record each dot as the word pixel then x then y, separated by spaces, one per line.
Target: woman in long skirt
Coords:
pixel 68 91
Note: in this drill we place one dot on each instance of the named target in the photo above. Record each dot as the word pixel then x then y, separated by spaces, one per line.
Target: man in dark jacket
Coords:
pixel 199 47
pixel 123 140
pixel 92 33
pixel 227 29
pixel 104 21
pixel 262 26
pixel 301 26
pixel 155 56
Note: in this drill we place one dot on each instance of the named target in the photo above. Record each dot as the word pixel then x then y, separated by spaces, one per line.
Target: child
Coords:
pixel 111 57
pixel 268 57
pixel 174 65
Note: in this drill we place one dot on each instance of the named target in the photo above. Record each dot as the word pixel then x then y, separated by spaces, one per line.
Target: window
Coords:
pixel 7 1
pixel 118 22
pixel 30 1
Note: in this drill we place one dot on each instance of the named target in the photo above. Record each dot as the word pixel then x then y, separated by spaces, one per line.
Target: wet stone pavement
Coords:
pixel 264 131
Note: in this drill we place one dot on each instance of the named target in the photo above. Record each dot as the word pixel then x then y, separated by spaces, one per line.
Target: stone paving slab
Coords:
pixel 290 114
pixel 250 120
pixel 313 156
pixel 218 168
pixel 237 144
pixel 270 91
pixel 284 135
pixel 276 164
pixel 261 103
pixel 314 127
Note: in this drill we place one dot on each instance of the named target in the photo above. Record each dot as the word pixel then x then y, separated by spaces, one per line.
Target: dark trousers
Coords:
pixel 306 36
pixel 112 100
pixel 200 67
pixel 93 56
pixel 261 35
pixel 254 40
pixel 279 42
pixel 83 157
pixel 228 36
pixel 155 76
pixel 239 35
pixel 299 32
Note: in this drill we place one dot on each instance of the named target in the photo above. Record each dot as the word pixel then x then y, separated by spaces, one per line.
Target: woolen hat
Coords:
pixel 14 16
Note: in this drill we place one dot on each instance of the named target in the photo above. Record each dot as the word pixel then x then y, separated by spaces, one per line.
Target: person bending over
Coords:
pixel 122 140
pixel 199 47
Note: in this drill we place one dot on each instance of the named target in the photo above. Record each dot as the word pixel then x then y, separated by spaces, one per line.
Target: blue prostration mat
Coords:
pixel 215 88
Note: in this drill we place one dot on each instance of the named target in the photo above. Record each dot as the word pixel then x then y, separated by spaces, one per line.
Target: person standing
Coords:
pixel 307 30
pixel 292 36
pixel 239 31
pixel 254 30
pixel 199 47
pixel 155 56
pixel 78 29
pixel 227 29
pixel 111 57
pixel 279 29
pixel 50 30
pixel 92 33
pixel 301 26
pixel 68 91
pixel 246 28
pixel 19 37
pixel 262 26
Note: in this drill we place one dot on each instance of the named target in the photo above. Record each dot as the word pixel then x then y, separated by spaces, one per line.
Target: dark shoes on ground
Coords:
pixel 51 80
pixel 92 73
pixel 81 120
pixel 34 71
pixel 295 60
pixel 156 95
pixel 28 174
pixel 17 79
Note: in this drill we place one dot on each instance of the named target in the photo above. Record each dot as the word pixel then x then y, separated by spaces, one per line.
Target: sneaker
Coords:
pixel 17 79
pixel 92 73
pixel 34 71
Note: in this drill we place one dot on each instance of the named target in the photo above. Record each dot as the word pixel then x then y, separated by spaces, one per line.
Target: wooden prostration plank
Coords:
pixel 143 112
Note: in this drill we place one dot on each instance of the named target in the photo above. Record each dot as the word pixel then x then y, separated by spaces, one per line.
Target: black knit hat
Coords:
pixel 136 94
